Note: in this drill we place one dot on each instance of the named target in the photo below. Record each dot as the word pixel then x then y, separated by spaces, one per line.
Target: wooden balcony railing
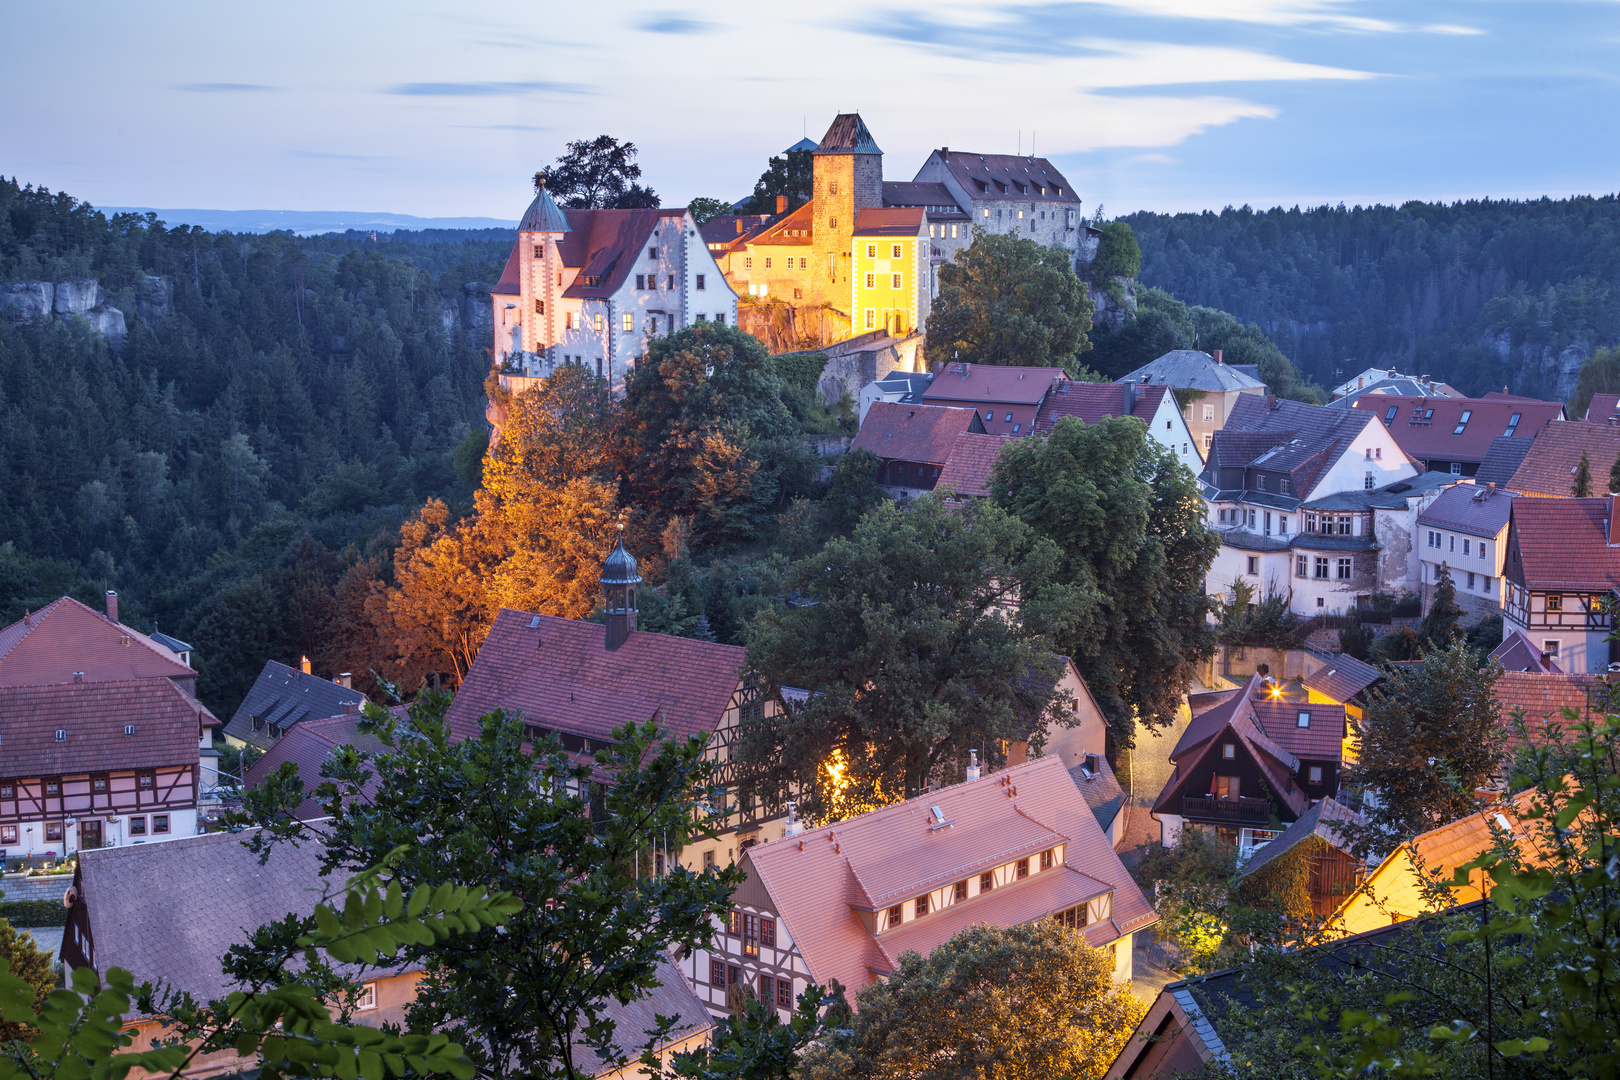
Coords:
pixel 1209 808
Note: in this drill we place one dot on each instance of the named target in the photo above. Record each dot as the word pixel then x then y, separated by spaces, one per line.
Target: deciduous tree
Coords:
pixel 1008 300
pixel 596 174
pixel 789 174
pixel 1118 255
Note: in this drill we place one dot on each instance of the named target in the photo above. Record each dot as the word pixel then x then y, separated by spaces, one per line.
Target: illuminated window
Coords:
pixel 366 998
pixel 896 251
pixel 629 322
pixel 896 283
pixel 871 280
pixel 1046 859
pixel 599 321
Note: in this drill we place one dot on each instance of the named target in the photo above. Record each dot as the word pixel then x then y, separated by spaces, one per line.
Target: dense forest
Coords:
pixel 1482 294
pixel 277 408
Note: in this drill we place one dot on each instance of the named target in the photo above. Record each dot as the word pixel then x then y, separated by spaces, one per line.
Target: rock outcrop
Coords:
pixel 82 298
pixel 27 301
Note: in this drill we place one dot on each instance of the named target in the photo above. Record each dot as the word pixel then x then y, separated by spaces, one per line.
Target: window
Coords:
pixel 599 322
pixel 629 322
pixel 871 251
pixel 895 282
pixel 1453 542
pixel 1470 579
pixel 803 263
pixel 1550 648
pixel 1282 522
pixel 1555 602
pixel 708 860
pixel 960 892
pixel 897 915
pixel 1254 565
pixel 1389 416
pixel 1462 423
pixel 767 932
pixel 8 834
pixel 1310 523
pixel 1344 569
pixel 748 263
pixel 146 781
pixel 1378 453
pixel 921 904
pixel 1487 586
pixel 539 251
pixel 540 307
pixel 700 283
pixel 1465 546
pixel 717 972
pixel 1046 859
pixel 871 318
pixel 1321 601
pixel 1302 566
pixel 98 783
pixel 871 280
pixel 137 826
pixel 61 734
pixel 1022 869
pixel 1009 418
pixel 832 223
pixel 1369 453
pixel 652 253
pixel 1513 423
pixel 1209 414
pixel 986 883
pixel 568 324
pixel 1321 568
pixel 832 187
pixel 160 823
pixel 953 232
pixel 1344 524
pixel 767 262
pixel 8 791
pixel 53 787
pixel 896 250
pixel 1456 468
pixel 1302 719
pixel 798 294
pixel 1315 774
pixel 1482 549
pixel 1074 918
pixel 672 281
pixel 366 998
pixel 1433 539
pixel 750 932
pixel 784 993
pixel 1228 787
pixel 1229 751
pixel 1251 519
pixel 53 830
pixel 719 317
pixel 1369 483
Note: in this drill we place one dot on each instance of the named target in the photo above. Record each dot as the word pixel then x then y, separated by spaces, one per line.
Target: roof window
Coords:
pixel 1513 423
pixel 1466 416
pixel 1390 416
pixel 1303 720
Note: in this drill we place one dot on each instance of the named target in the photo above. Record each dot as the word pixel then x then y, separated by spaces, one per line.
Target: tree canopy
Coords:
pixel 597 174
pixel 1118 255
pixel 789 174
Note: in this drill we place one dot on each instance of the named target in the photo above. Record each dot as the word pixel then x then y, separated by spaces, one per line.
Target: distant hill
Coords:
pixel 308 222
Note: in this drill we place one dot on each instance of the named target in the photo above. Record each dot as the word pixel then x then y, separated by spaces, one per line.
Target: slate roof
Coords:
pixel 1342 678
pixel 1007 176
pixel 285 696
pixel 935 198
pixel 993 384
pixel 308 746
pixel 1322 819
pixel 1602 409
pixel 848 135
pixel 1562 544
pixel 1101 791
pixel 672 997
pixel 64 636
pixel 1401 386
pixel 1322 740
pixel 1435 437
pixel 890 221
pixel 892 854
pixel 1544 695
pixel 1470 508
pixel 606 246
pixel 1301 440
pixel 1502 460
pixel 732 230
pixel 560 676
pixel 168 725
pixel 926 433
pixel 909 383
pixel 1193 370
pixel 1548 468
pixel 1392 496
pixel 1519 653
pixel 543 215
pixel 968 467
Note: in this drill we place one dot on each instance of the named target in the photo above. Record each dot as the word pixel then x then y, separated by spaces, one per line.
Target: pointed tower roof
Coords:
pixel 620 567
pixel 848 135
pixel 544 215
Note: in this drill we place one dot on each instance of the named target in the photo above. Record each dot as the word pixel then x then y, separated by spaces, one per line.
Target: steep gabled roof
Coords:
pixel 993 384
pixel 819 880
pixel 1426 427
pixel 1306 439
pixel 605 246
pixel 559 674
pixel 795 227
pixel 1549 466
pixel 1088 402
pixel 285 696
pixel 1322 738
pixel 1193 370
pixel 1562 544
pixel 847 135
pixel 1502 460
pixel 1007 176
pixel 308 746
pixel 1479 510
pixel 1603 409
pixel 168 725
pixel 64 637
pixel 1519 653
pixel 898 432
pixel 1342 678
pixel 732 230
pixel 1236 715
pixel 1323 819
pixel 972 459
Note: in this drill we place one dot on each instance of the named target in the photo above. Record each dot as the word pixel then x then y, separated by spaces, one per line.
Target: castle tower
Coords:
pixel 848 176
pixel 619 580
pixel 541 230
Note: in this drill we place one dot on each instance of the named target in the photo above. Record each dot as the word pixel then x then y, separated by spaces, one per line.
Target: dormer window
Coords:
pixel 922 905
pixel 1046 859
pixel 960 893
pixel 1022 871
pixel 897 915
pixel 986 883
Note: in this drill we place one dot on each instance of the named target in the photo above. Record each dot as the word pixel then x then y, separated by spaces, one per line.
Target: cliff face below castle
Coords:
pixel 84 298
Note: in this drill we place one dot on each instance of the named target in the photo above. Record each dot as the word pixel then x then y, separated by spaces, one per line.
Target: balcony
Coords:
pixel 1209 808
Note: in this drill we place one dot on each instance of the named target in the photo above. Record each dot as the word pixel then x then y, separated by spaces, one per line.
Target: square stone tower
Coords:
pixel 848 176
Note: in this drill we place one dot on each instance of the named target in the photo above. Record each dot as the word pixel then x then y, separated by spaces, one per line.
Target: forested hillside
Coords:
pixel 1481 294
pixel 268 387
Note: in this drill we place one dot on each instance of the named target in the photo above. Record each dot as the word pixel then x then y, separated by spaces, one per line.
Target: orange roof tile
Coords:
pixel 1322 740
pixel 992 384
pixel 1435 436
pixel 65 636
pixel 968 467
pixel 896 431
pixel 1548 468
pixel 94 715
pixel 1543 696
pixel 1562 544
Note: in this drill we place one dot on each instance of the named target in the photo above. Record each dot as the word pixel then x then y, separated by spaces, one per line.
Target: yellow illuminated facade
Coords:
pixel 889 282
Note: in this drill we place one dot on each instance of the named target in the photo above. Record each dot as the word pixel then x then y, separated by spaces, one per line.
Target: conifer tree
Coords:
pixel 1614 476
pixel 1439 626
pixel 1583 478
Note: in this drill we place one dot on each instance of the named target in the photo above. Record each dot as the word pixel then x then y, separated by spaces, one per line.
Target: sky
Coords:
pixel 439 109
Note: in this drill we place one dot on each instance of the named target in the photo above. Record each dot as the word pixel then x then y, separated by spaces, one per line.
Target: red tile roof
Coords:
pixel 1548 468
pixel 1602 408
pixel 1435 437
pixel 967 469
pixel 1322 740
pixel 1238 715
pixel 1562 544
pixel 816 880
pixel 977 385
pixel 898 432
pixel 511 283
pixel 732 230
pixel 1090 402
pixel 167 724
pixel 890 221
pixel 1342 678
pixel 606 244
pixel 797 227
pixel 65 636
pixel 559 675
pixel 1542 696
pixel 308 745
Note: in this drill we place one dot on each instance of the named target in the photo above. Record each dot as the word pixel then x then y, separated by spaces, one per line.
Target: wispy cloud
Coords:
pixel 1447 28
pixel 487 89
pixel 672 22
pixel 223 88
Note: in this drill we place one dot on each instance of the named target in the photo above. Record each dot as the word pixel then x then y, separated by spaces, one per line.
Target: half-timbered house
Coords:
pixel 579 680
pixel 98 764
pixel 1563 571
pixel 845 901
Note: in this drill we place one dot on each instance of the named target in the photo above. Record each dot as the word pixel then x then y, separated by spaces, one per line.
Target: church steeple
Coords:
pixel 619 580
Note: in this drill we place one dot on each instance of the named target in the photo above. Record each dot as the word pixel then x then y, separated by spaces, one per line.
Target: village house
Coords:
pixel 1547 467
pixel 1155 406
pixel 1314 504
pixel 1465 531
pixel 1210 388
pixel 912 442
pixel 1603 409
pixel 900 387
pixel 1318 839
pixel 283 697
pixel 579 680
pixel 1252 765
pixel 309 744
pixel 844 901
pixel 1340 679
pixel 1008 398
pixel 1453 435
pixel 1562 565
pixel 1389 381
pixel 65 641
pixel 594 287
pixel 891 287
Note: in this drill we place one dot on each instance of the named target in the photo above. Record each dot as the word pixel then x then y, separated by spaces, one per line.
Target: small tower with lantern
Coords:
pixel 619 580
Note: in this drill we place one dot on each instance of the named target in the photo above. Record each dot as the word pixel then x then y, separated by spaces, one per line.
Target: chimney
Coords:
pixel 973 765
pixel 794 826
pixel 303 664
pixel 781 204
pixel 344 680
pixel 1216 353
pixel 738 223
pixel 112 605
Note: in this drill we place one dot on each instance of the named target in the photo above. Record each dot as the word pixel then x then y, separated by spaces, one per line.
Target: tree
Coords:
pixel 513 812
pixel 917 639
pixel 1008 300
pixel 709 436
pixel 597 174
pixel 1600 374
pixel 1118 255
pixel 281 1015
pixel 1192 888
pixel 790 174
pixel 1439 627
pixel 1016 1003
pixel 1430 738
pixel 1129 522
pixel 1582 486
pixel 852 491
pixel 25 961
pixel 703 208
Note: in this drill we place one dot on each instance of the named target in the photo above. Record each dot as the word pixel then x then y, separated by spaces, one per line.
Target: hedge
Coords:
pixel 33 913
